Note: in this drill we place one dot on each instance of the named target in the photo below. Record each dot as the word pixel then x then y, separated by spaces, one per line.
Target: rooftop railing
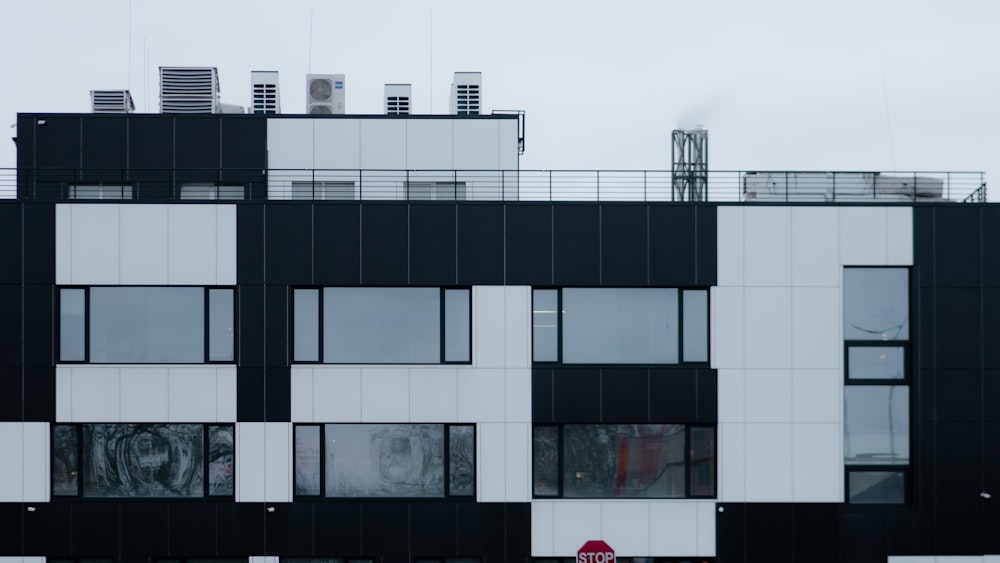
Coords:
pixel 492 185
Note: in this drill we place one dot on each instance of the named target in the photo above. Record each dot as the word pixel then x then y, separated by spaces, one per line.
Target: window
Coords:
pixel 436 190
pixel 146 325
pixel 142 460
pixel 323 190
pixel 876 393
pixel 620 325
pixel 213 191
pixel 385 460
pixel 99 191
pixel 382 325
pixel 624 461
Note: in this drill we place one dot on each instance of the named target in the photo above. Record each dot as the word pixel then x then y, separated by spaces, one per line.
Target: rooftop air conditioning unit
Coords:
pixel 325 94
pixel 264 92
pixel 111 101
pixel 397 99
pixel 466 93
pixel 189 90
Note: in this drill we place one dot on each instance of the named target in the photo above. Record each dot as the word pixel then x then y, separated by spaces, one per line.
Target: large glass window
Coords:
pixel 876 304
pixel 143 460
pixel 620 325
pixel 877 424
pixel 382 325
pixel 385 460
pixel 147 325
pixel 624 461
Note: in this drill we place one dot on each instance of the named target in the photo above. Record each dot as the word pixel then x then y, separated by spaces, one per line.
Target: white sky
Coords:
pixel 779 84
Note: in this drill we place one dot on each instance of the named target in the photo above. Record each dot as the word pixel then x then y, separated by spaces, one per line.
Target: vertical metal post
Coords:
pixel 550 185
pixel 598 185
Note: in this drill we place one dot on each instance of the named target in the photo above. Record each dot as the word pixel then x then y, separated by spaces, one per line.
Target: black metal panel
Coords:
pixel 244 153
pixel 494 521
pixel 958 328
pixel 991 325
pixel 529 244
pixel 276 316
pixel 673 395
pixel 250 244
pixel 144 528
pixel 433 529
pixel 192 528
pixel 432 244
pixel 708 244
pixel 990 215
pixel 863 536
pixel 542 395
pixel 104 148
pixel 251 319
pixel 991 482
pixel 816 532
pixel 673 248
pixel 768 537
pixel 288 229
pixel 40 243
pixel 991 395
pixel 385 529
pixel 624 245
pixel 480 244
pixel 576 244
pixel 10 325
pixel 910 533
pixel 337 528
pixel 290 530
pixel 926 318
pixel 384 232
pixel 470 529
pixel 57 143
pixel 518 531
pixel 960 528
pixel 95 529
pixel 625 395
pixel 923 244
pixel 957 396
pixel 10 243
pixel 25 157
pixel 151 155
pixel 47 529
pixel 957 237
pixel 577 395
pixel 39 394
pixel 707 396
pixel 337 244
pixel 251 391
pixel 197 150
pixel 279 394
pixel 730 533
pixel 242 529
pixel 12 538
pixel 10 394
pixel 959 460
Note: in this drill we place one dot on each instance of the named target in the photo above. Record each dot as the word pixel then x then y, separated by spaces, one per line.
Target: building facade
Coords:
pixel 370 338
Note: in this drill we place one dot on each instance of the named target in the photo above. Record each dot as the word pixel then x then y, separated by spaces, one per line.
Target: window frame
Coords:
pixel 206 322
pixel 446 433
pixel 681 361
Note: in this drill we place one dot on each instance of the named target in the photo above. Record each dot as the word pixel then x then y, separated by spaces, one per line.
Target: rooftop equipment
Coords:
pixel 189 90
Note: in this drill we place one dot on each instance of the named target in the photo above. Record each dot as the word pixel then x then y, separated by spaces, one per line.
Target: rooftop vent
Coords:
pixel 264 94
pixel 397 99
pixel 466 93
pixel 111 101
pixel 189 90
pixel 325 94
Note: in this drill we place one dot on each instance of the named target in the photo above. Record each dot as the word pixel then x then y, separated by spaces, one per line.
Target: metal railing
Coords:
pixel 489 185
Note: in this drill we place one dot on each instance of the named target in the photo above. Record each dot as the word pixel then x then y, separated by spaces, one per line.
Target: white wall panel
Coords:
pixel 518 462
pixel 225 245
pixel 542 528
pixel 729 231
pixel 899 236
pixel 290 142
pixel 817 463
pixel 251 461
pixel 488 332
pixel 768 395
pixel 480 395
pixel 816 332
pixel 64 244
pixel 815 246
pixel 302 394
pixel 767 246
pixel 862 236
pixel 36 461
pixel 428 144
pixel 731 395
pixel 676 526
pixel 706 529
pixel 193 245
pixel 517 337
pixel 337 143
pixel 767 327
pixel 143 244
pixel 518 395
pixel 337 394
pixel 263 559
pixel 11 461
pixel 385 394
pixel 64 393
pixel 625 526
pixel 491 449
pixel 507 138
pixel 193 394
pixel 94 246
pixel 22 560
pixel 768 462
pixel 727 327
pixel 817 395
pixel 279 462
pixel 476 144
pixel 433 394
pixel 144 394
pixel 732 462
pixel 383 144
pixel 573 524
pixel 94 393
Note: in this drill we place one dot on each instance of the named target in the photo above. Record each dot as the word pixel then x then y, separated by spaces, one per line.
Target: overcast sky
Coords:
pixel 779 84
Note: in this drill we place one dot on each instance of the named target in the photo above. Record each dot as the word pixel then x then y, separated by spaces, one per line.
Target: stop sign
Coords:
pixel 595 551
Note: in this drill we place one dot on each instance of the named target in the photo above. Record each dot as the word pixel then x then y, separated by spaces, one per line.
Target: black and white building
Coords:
pixel 373 338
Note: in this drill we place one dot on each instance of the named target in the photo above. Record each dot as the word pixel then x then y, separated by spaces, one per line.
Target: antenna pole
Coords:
pixel 888 123
pixel 431 57
pixel 310 40
pixel 130 45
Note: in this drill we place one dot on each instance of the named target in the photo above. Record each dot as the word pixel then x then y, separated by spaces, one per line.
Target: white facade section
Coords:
pixel 24 462
pixel 639 528
pixel 156 244
pixel 494 391
pixel 145 393
pixel 944 559
pixel 777 342
pixel 22 560
pixel 263 462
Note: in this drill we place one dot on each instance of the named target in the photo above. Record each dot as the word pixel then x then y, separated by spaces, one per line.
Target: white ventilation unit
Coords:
pixel 397 99
pixel 467 93
pixel 189 90
pixel 264 92
pixel 111 101
pixel 325 94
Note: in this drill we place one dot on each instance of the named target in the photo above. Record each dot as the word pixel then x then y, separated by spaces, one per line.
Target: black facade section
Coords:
pixel 529 244
pixel 151 156
pixel 337 244
pixel 384 244
pixel 624 245
pixel 289 243
pixel 197 150
pixel 104 149
pixel 243 155
pixel 780 532
pixel 432 244
pixel 576 244
pixel 480 248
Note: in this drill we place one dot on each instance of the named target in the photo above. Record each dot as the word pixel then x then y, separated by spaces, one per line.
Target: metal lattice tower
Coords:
pixel 690 165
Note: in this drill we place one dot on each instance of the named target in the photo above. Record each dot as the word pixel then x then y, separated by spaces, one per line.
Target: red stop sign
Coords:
pixel 595 551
